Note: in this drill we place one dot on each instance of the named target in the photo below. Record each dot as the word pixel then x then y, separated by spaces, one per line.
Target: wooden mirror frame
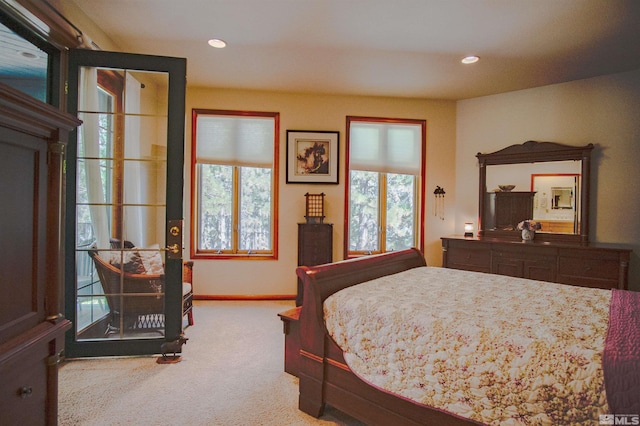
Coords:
pixel 536 152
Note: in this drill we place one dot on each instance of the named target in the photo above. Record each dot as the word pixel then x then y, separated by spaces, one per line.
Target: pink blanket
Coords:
pixel 621 358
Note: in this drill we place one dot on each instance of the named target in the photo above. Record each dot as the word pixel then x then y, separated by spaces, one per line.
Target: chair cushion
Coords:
pixel 152 260
pixel 186 288
pixel 131 262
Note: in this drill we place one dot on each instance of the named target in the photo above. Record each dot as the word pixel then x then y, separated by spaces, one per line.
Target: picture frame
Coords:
pixel 313 156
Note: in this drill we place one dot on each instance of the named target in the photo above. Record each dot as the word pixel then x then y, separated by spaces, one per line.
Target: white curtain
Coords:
pixel 385 147
pixel 89 134
pixel 235 141
pixel 133 182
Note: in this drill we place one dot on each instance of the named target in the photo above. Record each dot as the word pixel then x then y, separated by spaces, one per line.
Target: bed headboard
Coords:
pixel 331 277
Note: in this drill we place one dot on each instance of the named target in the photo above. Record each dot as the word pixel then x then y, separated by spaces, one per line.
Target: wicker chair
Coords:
pixel 144 308
pixel 146 299
pixel 187 291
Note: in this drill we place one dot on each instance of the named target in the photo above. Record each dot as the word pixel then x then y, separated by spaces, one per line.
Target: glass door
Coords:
pixel 124 171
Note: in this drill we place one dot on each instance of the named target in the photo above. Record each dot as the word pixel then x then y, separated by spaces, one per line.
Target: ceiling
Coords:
pixel 406 48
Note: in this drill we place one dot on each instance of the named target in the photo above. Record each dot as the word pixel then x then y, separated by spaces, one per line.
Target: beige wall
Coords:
pixel 307 112
pixel 604 111
pixel 320 112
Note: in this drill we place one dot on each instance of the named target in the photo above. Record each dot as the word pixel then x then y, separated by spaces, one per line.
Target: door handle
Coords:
pixel 174 239
pixel 174 248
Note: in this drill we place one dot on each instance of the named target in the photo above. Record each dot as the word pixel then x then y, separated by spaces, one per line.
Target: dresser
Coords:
pixel 593 265
pixel 32 142
pixel 315 247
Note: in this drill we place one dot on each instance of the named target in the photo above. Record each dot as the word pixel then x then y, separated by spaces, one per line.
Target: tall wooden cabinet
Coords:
pixel 504 210
pixel 315 247
pixel 32 141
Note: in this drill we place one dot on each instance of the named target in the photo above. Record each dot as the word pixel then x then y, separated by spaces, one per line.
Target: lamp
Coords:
pixel 315 208
pixel 468 229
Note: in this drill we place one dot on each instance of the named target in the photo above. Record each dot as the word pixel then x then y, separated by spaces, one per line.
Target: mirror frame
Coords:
pixel 537 152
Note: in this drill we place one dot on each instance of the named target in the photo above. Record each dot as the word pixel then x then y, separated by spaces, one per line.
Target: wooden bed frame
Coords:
pixel 324 376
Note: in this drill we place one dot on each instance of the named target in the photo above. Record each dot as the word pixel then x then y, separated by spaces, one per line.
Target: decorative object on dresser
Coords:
pixel 32 145
pixel 506 188
pixel 528 234
pixel 529 228
pixel 468 229
pixel 315 247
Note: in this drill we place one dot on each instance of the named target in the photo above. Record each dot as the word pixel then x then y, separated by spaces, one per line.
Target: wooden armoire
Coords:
pixel 33 137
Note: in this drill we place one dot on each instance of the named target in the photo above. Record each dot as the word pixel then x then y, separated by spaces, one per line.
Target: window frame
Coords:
pixel 197 253
pixel 419 189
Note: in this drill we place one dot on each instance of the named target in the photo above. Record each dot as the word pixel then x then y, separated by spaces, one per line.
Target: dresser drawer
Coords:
pixel 525 262
pixel 589 272
pixel 589 268
pixel 476 258
pixel 593 268
pixel 23 393
pixel 470 257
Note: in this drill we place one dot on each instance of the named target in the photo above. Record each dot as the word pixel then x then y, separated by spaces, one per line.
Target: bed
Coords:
pixel 352 381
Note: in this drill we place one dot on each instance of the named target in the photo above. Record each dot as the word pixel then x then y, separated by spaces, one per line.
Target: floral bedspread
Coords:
pixel 491 348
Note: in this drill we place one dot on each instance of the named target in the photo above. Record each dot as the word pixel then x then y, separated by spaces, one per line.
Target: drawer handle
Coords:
pixel 25 391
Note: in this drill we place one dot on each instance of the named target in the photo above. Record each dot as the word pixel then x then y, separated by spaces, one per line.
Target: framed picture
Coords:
pixel 312 156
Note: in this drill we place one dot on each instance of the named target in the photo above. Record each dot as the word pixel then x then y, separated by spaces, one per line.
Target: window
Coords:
pixel 235 184
pixel 385 180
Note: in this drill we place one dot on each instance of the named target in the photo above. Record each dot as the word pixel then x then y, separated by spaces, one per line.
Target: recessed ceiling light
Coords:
pixel 470 59
pixel 217 43
pixel 28 55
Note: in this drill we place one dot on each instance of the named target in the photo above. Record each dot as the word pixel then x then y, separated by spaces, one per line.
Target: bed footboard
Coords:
pixel 320 282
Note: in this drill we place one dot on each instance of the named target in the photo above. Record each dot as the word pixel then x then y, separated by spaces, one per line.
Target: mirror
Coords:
pixel 561 198
pixel 544 181
pixel 556 202
pixel 25 66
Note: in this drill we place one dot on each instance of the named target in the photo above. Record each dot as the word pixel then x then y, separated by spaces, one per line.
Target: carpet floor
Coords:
pixel 231 373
